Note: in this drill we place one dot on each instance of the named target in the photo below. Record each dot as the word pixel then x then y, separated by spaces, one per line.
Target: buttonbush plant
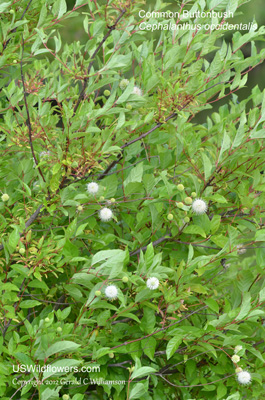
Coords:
pixel 132 235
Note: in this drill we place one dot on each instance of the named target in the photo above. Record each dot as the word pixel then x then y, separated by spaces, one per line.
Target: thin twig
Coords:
pixel 28 123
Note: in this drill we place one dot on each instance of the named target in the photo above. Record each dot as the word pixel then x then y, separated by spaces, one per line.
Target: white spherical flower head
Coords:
pixel 105 214
pixel 199 206
pixel 152 283
pixel 244 377
pixel 92 187
pixel 235 358
pixel 111 292
pixel 123 84
pixel 238 348
pixel 137 91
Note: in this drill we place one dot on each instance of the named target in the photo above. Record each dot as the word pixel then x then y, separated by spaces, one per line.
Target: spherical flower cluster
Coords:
pixel 180 187
pixel 5 197
pixel 238 348
pixel 123 84
pixel 111 292
pixel 137 90
pixel 235 358
pixel 244 377
pixel 152 283
pixel 188 200
pixel 92 187
pixel 199 206
pixel 105 214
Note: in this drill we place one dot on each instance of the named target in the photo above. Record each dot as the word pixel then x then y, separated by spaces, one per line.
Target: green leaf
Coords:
pixel 213 305
pixel 143 371
pixel 207 166
pixel 245 306
pixel 13 239
pixel 260 235
pixel 215 223
pixel 29 303
pixel 135 175
pixel 60 367
pixel 194 229
pixel 173 345
pixel 137 391
pixel 64 346
pixel 4 6
pixel 126 94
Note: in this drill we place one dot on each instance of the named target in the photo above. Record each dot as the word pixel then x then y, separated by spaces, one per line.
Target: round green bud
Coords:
pixel 188 200
pixel 111 355
pixel 14 61
pixel 192 161
pixel 193 194
pixel 125 279
pixel 22 251
pixel 186 220
pixel 106 93
pixel 129 106
pixel 179 204
pixel 79 208
pixel 11 12
pixel 180 187
pixel 5 197
pixel 59 329
pixel 47 319
pixel 102 198
pixel 65 397
pixel 112 200
pixel 170 217
pixel 98 293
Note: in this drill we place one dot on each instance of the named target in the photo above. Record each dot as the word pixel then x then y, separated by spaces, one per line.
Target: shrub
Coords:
pixel 123 218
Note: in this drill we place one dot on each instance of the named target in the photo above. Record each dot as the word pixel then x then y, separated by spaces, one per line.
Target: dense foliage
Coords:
pixel 132 236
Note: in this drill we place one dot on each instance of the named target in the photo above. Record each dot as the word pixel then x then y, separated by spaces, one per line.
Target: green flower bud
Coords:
pixel 79 208
pixel 5 197
pixel 179 204
pixel 47 319
pixel 98 293
pixel 180 187
pixel 125 279
pixel 59 329
pixel 186 220
pixel 22 251
pixel 193 194
pixel 102 198
pixel 111 355
pixel 106 92
pixel 112 200
pixel 65 397
pixel 170 217
pixel 129 106
pixel 14 61
pixel 188 200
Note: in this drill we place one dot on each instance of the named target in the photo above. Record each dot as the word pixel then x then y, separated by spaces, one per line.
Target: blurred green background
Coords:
pixel 73 30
